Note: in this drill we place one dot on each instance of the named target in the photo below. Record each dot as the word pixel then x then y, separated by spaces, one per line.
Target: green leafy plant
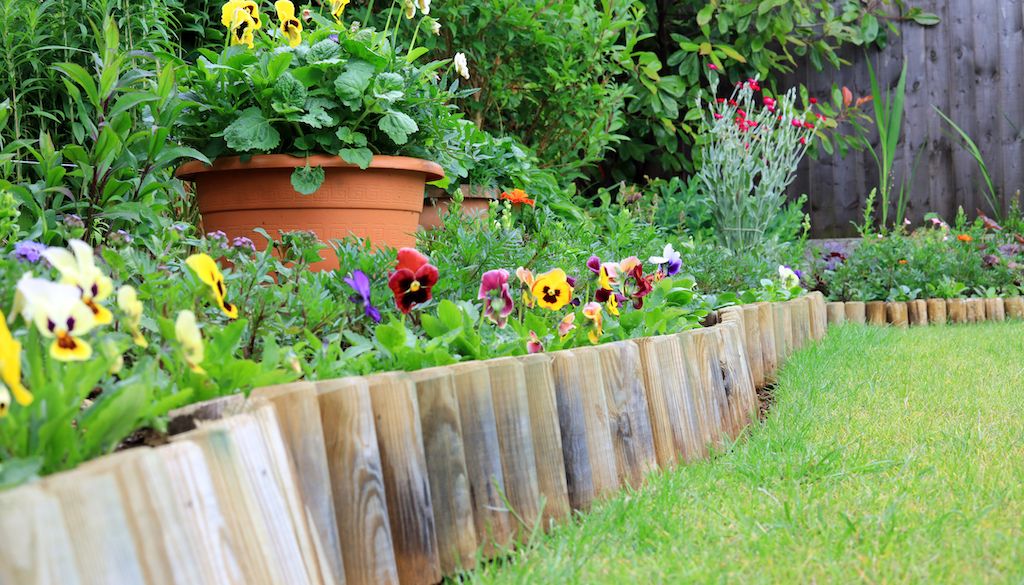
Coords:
pixel 991 196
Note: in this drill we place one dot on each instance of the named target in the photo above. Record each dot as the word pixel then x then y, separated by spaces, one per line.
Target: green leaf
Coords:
pixel 353 81
pixel 289 91
pixel 450 314
pixel 731 53
pixel 307 179
pixel 251 132
pixel 317 115
pixel 704 16
pixel 927 19
pixel 415 54
pixel 391 336
pixel 397 126
pixel 357 156
pixel 350 136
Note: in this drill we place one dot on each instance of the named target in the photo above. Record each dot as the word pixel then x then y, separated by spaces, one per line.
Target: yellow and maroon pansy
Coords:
pixel 79 269
pixel 552 289
pixel 58 313
pixel 206 269
pixel 10 370
pixel 290 27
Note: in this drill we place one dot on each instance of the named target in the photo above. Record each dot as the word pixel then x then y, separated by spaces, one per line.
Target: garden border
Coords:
pixel 400 477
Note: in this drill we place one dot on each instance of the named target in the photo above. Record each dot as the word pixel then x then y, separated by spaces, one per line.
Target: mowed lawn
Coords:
pixel 889 457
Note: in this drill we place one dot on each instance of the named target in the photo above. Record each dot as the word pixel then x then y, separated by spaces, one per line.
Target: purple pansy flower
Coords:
pixel 361 284
pixel 670 261
pixel 496 296
pixel 594 264
pixel 28 251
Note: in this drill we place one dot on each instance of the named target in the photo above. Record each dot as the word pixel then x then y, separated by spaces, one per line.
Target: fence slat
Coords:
pixel 766 324
pixel 37 545
pixel 674 425
pixel 855 312
pixel 357 481
pixel 956 310
pixel 629 423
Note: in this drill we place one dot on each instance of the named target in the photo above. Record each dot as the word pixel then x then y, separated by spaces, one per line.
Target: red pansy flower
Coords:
pixel 412 279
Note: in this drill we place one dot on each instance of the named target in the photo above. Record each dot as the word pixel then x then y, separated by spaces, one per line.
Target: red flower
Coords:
pixel 803 140
pixel 813 100
pixel 643 286
pixel 720 100
pixel 712 67
pixel 412 279
pixel 718 116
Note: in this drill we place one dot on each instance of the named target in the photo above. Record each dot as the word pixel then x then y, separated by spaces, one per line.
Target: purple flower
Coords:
pixel 497 298
pixel 243 242
pixel 120 238
pixel 1011 249
pixel 990 260
pixel 594 264
pixel 28 251
pixel 73 221
pixel 334 37
pixel 218 237
pixel 179 227
pixel 361 284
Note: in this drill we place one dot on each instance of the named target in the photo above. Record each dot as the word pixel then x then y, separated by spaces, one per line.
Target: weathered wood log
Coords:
pixel 590 467
pixel 755 355
pixel 836 313
pixel 800 321
pixel 450 496
pixel 1014 307
pixel 298 413
pixel 670 395
pixel 975 310
pixel 357 481
pixel 937 311
pixel 783 316
pixel 818 315
pixel 956 310
pixel 38 548
pixel 493 520
pixel 736 377
pixel 406 484
pixel 547 438
pixel 515 437
pixel 712 403
pixel 189 417
pixel 917 312
pixel 876 313
pixel 896 314
pixel 769 353
pixel 855 312
pixel 629 422
pixel 994 310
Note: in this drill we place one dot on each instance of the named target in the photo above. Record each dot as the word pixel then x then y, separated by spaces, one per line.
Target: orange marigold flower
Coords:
pixel 903 262
pixel 517 196
pixel 965 238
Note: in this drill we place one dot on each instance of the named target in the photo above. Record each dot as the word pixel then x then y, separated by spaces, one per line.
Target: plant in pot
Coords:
pixel 314 125
pixel 481 166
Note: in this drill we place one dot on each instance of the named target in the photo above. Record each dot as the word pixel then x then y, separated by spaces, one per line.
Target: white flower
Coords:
pixel 669 254
pixel 435 27
pixel 424 6
pixel 191 340
pixel 788 277
pixel 461 67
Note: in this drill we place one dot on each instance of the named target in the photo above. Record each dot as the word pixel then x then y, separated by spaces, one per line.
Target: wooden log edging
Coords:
pixel 409 478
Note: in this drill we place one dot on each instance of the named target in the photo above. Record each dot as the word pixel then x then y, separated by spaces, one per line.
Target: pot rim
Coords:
pixel 475 192
pixel 190 170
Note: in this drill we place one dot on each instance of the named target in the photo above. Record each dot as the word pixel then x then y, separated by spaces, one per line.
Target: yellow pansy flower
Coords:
pixel 613 305
pixel 552 289
pixel 207 271
pixel 10 370
pixel 80 270
pixel 58 313
pixel 187 332
pixel 410 8
pixel 592 311
pixel 290 27
pixel 338 7
pixel 229 12
pixel 129 303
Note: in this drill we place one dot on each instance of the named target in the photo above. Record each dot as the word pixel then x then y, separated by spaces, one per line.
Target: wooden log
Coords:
pixel 800 322
pixel 755 356
pixel 818 315
pixel 896 313
pixel 836 313
pixel 583 415
pixel 492 518
pixel 1014 307
pixel 737 381
pixel 258 497
pixel 769 354
pixel 446 469
pixel 975 310
pixel 937 311
pixel 629 423
pixel 189 417
pixel 855 312
pixel 876 313
pixel 515 436
pixel 357 481
pixel 547 438
pixel 956 310
pixel 410 509
pixel 917 312
pixel 783 332
pixel 37 545
pixel 675 429
pixel 994 309
pixel 298 413
pixel 699 391
pixel 198 511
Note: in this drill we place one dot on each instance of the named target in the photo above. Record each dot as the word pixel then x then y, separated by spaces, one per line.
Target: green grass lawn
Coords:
pixel 889 456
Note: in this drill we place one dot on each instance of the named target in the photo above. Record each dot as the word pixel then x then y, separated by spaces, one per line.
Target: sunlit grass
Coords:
pixel 889 456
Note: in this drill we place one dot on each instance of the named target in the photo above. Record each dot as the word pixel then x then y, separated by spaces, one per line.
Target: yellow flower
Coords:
pixel 608 276
pixel 10 370
pixel 410 8
pixel 338 7
pixel 80 270
pixel 59 313
pixel 129 303
pixel 424 6
pixel 187 332
pixel 243 28
pixel 207 271
pixel 592 311
pixel 526 277
pixel 291 27
pixel 552 289
pixel 613 305
pixel 229 12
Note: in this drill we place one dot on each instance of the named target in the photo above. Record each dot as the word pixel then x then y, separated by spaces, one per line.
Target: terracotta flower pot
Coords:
pixel 381 203
pixel 475 202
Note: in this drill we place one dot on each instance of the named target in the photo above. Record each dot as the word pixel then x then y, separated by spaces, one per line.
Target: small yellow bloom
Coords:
pixel 410 8
pixel 207 271
pixel 627 265
pixel 243 29
pixel 526 277
pixel 80 270
pixel 10 370
pixel 59 313
pixel 291 27
pixel 187 332
pixel 613 305
pixel 229 12
pixel 424 6
pixel 338 7
pixel 592 311
pixel 608 276
pixel 552 289
pixel 129 303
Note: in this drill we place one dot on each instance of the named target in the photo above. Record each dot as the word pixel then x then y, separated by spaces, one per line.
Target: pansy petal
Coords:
pixel 410 259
